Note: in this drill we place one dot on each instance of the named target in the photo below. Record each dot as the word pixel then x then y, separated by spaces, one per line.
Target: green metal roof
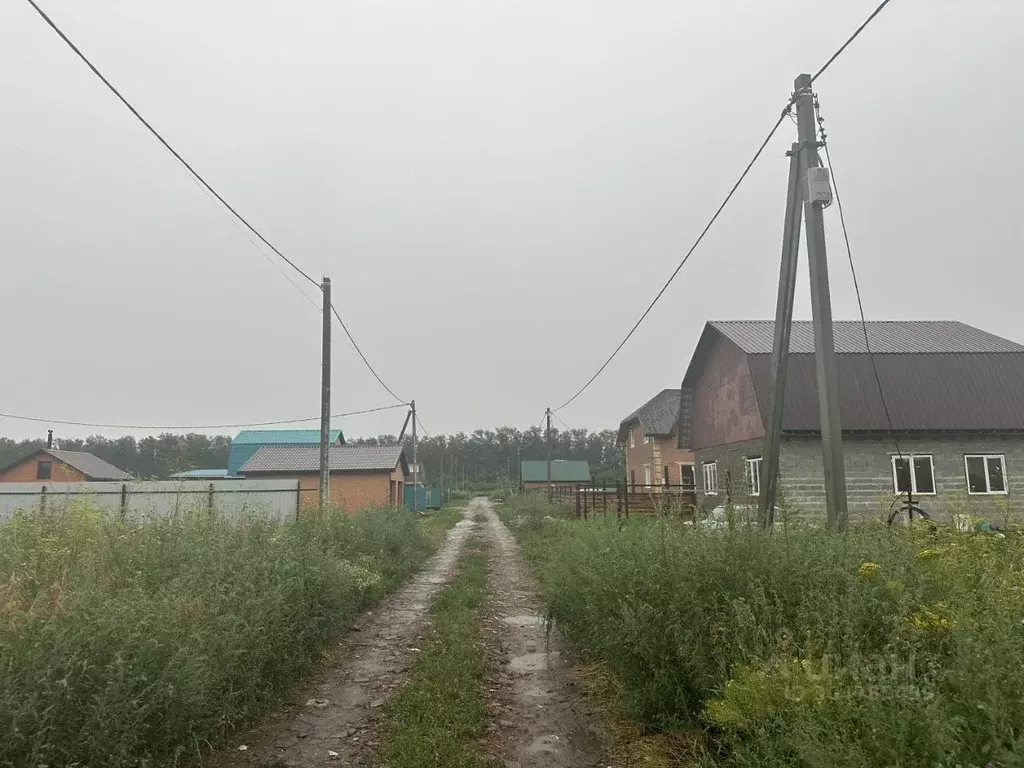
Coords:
pixel 562 471
pixel 281 436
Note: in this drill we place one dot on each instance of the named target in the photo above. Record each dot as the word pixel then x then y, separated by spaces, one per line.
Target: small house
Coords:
pixel 534 474
pixel 650 437
pixel 361 476
pixel 60 467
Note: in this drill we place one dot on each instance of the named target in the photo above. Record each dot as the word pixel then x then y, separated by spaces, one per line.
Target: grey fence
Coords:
pixel 230 499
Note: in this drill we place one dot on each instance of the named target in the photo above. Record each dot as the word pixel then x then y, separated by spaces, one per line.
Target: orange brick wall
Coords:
pixel 660 452
pixel 25 472
pixel 351 490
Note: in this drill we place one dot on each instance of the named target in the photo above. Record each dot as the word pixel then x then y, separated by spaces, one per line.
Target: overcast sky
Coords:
pixel 496 187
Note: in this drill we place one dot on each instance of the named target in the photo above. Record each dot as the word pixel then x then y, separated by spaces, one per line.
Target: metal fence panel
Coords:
pixel 231 499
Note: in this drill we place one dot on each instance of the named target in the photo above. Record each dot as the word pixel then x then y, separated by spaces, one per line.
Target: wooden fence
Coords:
pixel 624 499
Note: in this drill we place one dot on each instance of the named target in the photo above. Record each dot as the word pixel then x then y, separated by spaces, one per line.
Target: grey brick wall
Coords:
pixel 869 475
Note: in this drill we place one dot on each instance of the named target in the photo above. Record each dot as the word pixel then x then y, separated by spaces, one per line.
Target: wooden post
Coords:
pixel 577 502
pixel 124 500
pixel 209 499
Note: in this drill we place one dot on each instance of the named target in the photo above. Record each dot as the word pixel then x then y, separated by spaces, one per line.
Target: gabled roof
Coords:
pixel 889 337
pixel 657 416
pixel 936 376
pixel 93 467
pixel 282 437
pixel 562 471
pixel 342 458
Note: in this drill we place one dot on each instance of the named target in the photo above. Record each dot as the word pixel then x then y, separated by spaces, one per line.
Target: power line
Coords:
pixel 686 258
pixel 193 426
pixel 728 197
pixel 559 420
pixel 365 361
pixel 164 141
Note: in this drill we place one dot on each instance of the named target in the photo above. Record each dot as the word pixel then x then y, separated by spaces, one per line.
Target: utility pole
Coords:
pixel 325 400
pixel 821 312
pixel 809 185
pixel 551 488
pixel 415 465
pixel 780 345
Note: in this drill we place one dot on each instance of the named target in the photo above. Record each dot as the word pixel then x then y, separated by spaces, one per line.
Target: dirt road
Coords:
pixel 330 721
pixel 540 719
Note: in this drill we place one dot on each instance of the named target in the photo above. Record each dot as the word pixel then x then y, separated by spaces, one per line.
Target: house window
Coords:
pixel 920 481
pixel 985 474
pixel 44 469
pixel 687 479
pixel 664 475
pixel 754 475
pixel 711 478
pixel 632 477
pixel 646 439
pixel 632 437
pixel 647 474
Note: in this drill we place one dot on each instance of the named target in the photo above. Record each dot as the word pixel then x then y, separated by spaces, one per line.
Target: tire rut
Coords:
pixel 540 718
pixel 330 721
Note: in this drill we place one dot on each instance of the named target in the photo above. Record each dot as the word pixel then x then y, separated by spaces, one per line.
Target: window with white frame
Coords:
pixel 632 437
pixel 647 474
pixel 710 477
pixel 914 473
pixel 687 478
pixel 753 471
pixel 985 473
pixel 646 438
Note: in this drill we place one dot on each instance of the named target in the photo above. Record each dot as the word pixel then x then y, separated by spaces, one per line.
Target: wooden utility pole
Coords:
pixel 551 487
pixel 812 189
pixel 325 400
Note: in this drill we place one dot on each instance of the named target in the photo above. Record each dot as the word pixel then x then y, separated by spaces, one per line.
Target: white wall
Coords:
pixel 276 499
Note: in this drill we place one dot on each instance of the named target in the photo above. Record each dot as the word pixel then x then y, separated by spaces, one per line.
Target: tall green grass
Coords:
pixel 138 644
pixel 799 648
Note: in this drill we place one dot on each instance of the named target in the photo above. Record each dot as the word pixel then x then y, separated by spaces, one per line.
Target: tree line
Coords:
pixel 482 458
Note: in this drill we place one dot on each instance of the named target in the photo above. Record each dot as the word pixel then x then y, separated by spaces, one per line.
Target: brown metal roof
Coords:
pixel 657 416
pixel 886 337
pixel 342 458
pixel 931 383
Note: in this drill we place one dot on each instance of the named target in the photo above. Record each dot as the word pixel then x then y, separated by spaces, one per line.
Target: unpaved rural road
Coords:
pixel 334 712
pixel 539 719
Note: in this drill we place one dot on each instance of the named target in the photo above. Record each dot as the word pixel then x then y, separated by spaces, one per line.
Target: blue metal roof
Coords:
pixel 282 436
pixel 212 474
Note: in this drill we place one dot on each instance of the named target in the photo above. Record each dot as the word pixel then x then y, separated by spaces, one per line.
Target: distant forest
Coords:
pixel 485 457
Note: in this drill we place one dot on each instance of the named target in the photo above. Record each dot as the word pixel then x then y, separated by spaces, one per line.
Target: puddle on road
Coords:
pixel 543 744
pixel 526 620
pixel 532 662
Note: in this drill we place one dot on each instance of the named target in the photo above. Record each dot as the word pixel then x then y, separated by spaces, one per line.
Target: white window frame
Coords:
pixel 647 476
pixel 632 437
pixel 913 473
pixel 710 471
pixel 987 457
pixel 646 438
pixel 682 465
pixel 753 474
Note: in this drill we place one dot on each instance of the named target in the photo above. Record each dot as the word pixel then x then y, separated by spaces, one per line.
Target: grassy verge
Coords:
pixel 437 717
pixel 137 644
pixel 798 648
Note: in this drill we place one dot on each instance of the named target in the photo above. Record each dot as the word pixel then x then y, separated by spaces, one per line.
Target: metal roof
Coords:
pixel 306 458
pixel 562 471
pixel 935 376
pixel 91 466
pixel 657 416
pixel 886 337
pixel 212 474
pixel 282 436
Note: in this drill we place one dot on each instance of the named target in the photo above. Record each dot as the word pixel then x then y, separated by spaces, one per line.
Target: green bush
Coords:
pixel 137 644
pixel 799 648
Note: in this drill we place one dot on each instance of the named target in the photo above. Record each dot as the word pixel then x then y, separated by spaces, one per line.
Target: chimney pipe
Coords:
pixel 49 438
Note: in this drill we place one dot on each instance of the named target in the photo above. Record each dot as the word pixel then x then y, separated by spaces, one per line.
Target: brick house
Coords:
pixel 362 476
pixel 534 474
pixel 650 437
pixel 955 396
pixel 60 467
